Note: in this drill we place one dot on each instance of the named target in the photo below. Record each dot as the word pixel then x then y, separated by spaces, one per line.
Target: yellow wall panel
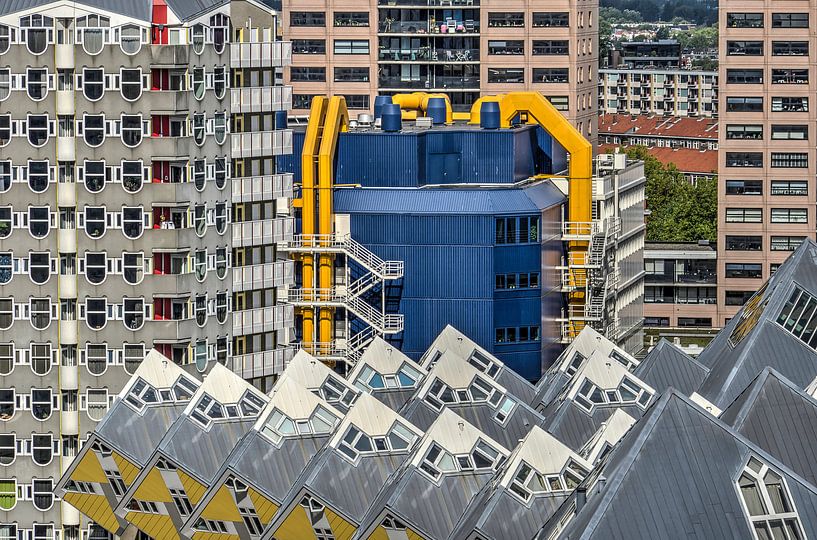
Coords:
pixel 193 488
pixel 96 507
pixel 341 529
pixel 413 535
pixel 89 469
pixel 264 507
pixel 128 470
pixel 379 534
pixel 222 507
pixel 296 526
pixel 160 527
pixel 201 535
pixel 153 488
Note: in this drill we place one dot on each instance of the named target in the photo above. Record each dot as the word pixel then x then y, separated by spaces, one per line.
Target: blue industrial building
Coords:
pixel 478 232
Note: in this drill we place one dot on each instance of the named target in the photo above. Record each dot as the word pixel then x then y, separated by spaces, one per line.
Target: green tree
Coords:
pixel 679 210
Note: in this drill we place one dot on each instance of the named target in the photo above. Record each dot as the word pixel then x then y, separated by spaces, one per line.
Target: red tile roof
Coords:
pixel 658 126
pixel 688 160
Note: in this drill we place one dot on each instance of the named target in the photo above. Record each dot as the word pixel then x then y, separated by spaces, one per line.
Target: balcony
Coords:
pixel 260 364
pixel 433 28
pixel 265 319
pixel 428 55
pixel 262 99
pixel 263 276
pixel 261 188
pixel 169 55
pixel 264 54
pixel 429 3
pixel 169 101
pixel 431 82
pixel 263 231
pixel 261 143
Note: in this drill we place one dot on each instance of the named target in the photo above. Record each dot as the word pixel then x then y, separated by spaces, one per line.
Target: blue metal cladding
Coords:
pixel 445 237
pixel 451 155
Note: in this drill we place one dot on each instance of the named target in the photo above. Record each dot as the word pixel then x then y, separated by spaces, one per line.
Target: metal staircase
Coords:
pixel 352 296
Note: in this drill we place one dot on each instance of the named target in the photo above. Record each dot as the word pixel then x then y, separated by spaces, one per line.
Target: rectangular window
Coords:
pixel 786 243
pixel 789 76
pixel 515 46
pixel 550 75
pixel 308 46
pixel 738 298
pixel 790 48
pixel 512 281
pixel 744 20
pixel 789 187
pixel 742 76
pixel 790 133
pixel 789 104
pixel 744 215
pixel 789 160
pixel 351 46
pixel 560 103
pixel 550 19
pixel 698 322
pixel 307 74
pixel 307 18
pixel 744 243
pixel 741 270
pixel 357 101
pixel 789 215
pixel 517 230
pixel 302 101
pixel 744 187
pixel 519 334
pixel 744 104
pixel 656 321
pixel 506 75
pixel 550 47
pixel 504 20
pixel 789 20
pixel 744 48
pixel 351 18
pixel 744 131
pixel 744 159
pixel 351 74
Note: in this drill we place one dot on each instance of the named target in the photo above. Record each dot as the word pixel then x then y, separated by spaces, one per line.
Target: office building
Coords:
pixel 680 285
pixel 658 54
pixel 452 226
pixel 451 445
pixel 767 164
pixel 137 164
pixel 464 48
pixel 672 92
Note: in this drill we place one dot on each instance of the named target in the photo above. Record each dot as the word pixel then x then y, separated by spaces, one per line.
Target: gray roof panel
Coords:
pixel 667 366
pixel 137 436
pixel 137 9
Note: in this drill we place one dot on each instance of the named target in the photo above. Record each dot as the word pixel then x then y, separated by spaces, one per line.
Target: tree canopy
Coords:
pixel 679 210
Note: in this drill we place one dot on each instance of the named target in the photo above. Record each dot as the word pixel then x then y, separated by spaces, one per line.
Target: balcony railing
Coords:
pixel 265 319
pixel 261 364
pixel 262 188
pixel 428 54
pixel 264 54
pixel 261 143
pixel 261 99
pixel 263 276
pixel 263 231
pixel 428 27
pixel 430 3
pixel 436 82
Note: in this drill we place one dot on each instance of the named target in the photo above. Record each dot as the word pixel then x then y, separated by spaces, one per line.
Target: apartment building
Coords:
pixel 767 166
pixel 140 209
pixel 680 284
pixel 464 48
pixel 673 92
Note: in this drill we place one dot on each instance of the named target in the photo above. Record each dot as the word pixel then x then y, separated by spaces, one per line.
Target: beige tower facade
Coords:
pixel 766 190
pixel 465 48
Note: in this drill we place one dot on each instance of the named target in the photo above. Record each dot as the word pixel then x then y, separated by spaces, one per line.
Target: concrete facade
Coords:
pixel 672 92
pixel 461 47
pixel 134 159
pixel 767 163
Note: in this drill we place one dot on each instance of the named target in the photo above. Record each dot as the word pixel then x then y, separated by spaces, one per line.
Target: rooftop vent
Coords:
pixel 365 119
pixel 424 122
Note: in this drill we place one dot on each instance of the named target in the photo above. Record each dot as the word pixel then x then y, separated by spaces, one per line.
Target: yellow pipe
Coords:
pixel 308 163
pixel 336 121
pixel 474 117
pixel 418 101
pixel 580 173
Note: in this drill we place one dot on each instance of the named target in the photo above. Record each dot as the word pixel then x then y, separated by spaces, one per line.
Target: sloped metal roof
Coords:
pixel 673 476
pixel 137 9
pixel 667 366
pixel 780 418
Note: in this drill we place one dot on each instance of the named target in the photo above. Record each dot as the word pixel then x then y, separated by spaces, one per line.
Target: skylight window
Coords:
pixel 437 461
pixel 337 393
pixel 484 364
pixel 628 392
pixel 355 442
pixel 768 503
pixel 279 426
pixel 749 316
pixel 799 316
pixel 575 364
